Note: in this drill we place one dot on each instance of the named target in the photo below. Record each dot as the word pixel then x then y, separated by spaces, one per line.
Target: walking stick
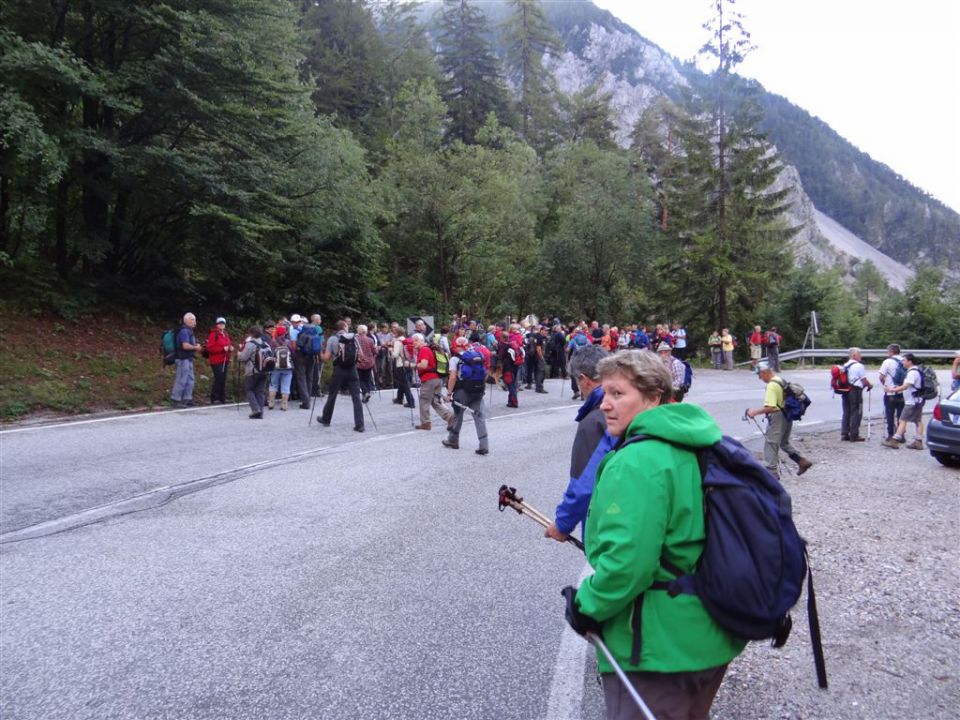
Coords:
pixel 869 414
pixel 509 498
pixel 236 383
pixel 370 413
pixel 595 640
pixel 780 462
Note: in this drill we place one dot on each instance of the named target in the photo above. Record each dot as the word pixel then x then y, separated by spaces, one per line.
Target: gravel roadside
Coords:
pixel 884 531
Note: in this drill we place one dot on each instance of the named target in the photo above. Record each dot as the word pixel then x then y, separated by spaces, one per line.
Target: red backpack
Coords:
pixel 838 378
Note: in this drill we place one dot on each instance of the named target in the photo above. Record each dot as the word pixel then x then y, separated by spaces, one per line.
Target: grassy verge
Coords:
pixel 56 366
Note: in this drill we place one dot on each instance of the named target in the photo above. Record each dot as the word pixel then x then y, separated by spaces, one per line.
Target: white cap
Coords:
pixel 220 320
pixel 295 318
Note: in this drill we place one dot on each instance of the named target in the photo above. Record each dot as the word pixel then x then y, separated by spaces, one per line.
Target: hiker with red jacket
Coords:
pixel 219 349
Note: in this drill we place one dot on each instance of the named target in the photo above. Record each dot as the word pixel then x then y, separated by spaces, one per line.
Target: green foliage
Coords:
pixel 473 85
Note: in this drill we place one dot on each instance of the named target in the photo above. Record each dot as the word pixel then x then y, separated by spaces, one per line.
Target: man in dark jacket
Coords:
pixel 590 445
pixel 343 350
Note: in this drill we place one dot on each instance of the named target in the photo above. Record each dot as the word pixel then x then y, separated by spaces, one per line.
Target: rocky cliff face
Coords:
pixel 634 72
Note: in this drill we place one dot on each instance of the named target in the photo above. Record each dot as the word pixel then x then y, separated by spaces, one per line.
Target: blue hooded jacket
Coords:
pixel 590 445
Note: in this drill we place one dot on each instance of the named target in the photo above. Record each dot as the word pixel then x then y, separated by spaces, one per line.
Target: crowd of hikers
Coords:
pixel 282 360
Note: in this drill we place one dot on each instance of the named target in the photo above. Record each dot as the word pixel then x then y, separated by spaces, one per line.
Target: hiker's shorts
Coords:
pixel 912 413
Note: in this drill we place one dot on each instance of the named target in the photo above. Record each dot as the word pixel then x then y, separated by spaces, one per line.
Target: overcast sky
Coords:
pixel 885 74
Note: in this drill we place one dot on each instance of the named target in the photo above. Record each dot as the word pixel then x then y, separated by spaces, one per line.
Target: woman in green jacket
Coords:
pixel 647 507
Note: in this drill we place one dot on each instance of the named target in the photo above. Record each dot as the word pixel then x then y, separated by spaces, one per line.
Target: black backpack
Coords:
pixel 347 351
pixel 264 361
pixel 754 562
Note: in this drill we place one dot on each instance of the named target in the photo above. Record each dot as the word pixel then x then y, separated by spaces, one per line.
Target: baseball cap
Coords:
pixel 295 318
pixel 664 346
pixel 461 342
pixel 221 320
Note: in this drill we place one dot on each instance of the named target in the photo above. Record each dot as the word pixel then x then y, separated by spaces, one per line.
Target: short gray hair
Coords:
pixel 584 362
pixel 417 337
pixel 643 369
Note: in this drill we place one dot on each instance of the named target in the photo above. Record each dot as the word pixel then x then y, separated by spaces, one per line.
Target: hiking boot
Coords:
pixel 271 398
pixel 858 439
pixel 358 429
pixel 283 401
pixel 891 443
pixel 482 451
pixel 451 445
pixel 304 406
pixel 423 426
pixel 410 405
pixel 542 391
pixel 898 439
pixel 257 415
pixel 803 465
pixel 366 397
pixel 397 401
pixel 916 445
pixel 325 423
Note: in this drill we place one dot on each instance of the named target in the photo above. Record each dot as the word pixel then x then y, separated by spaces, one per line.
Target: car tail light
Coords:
pixel 937 412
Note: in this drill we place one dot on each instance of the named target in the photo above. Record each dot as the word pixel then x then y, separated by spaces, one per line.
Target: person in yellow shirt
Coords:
pixel 726 345
pixel 778 426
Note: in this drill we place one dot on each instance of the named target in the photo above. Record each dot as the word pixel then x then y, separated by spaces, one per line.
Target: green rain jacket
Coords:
pixel 648 504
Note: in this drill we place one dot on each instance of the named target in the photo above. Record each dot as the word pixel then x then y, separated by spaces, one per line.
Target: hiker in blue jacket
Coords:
pixel 590 445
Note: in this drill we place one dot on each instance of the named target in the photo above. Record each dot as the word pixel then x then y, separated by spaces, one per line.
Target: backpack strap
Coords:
pixel 683 582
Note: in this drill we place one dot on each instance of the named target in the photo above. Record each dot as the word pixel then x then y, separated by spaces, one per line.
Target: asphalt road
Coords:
pixel 197 564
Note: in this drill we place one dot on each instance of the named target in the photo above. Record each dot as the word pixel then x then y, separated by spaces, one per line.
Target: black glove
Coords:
pixel 581 624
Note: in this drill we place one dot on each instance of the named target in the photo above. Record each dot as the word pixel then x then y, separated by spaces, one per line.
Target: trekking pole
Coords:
pixel 509 498
pixel 869 414
pixel 595 640
pixel 236 383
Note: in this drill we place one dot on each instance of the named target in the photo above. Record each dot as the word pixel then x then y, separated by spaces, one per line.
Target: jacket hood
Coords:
pixel 680 423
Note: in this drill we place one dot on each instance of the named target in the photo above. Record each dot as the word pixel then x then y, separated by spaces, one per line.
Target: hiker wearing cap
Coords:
pixel 647 511
pixel 282 373
pixel 852 401
pixel 590 444
pixel 186 349
pixel 912 389
pixel 466 385
pixel 219 349
pixel 779 427
pixel 892 373
pixel 430 383
pixel 676 369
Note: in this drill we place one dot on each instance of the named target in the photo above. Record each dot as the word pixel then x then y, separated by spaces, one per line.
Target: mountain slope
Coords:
pixel 864 196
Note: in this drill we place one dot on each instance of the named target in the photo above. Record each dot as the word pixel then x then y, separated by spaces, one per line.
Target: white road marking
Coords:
pixel 566 687
pixel 149 413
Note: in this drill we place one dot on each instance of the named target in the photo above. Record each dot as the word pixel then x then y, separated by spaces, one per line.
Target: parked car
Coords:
pixel 943 431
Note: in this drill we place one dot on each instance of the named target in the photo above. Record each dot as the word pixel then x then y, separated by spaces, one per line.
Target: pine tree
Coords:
pixel 528 37
pixel 473 85
pixel 728 238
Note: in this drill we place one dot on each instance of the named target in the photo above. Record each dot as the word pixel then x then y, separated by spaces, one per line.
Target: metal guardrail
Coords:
pixel 843 353
pixel 864 352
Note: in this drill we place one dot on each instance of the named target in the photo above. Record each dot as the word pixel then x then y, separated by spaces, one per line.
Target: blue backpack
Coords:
pixel 754 561
pixel 310 341
pixel 471 372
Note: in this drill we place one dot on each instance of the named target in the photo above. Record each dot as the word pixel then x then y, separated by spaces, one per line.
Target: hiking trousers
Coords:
pixel 892 410
pixel 475 403
pixel 852 403
pixel 430 397
pixel 669 695
pixel 343 377
pixel 256 387
pixel 218 391
pixel 777 439
pixel 183 382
